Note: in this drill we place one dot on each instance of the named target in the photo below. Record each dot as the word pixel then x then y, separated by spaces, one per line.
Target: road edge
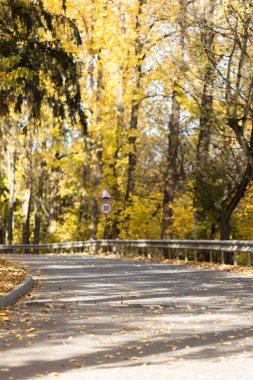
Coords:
pixel 13 295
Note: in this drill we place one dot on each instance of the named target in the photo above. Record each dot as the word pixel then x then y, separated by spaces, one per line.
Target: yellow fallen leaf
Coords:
pixel 133 358
pixel 171 347
pixel 19 336
pixel 30 330
pixel 31 335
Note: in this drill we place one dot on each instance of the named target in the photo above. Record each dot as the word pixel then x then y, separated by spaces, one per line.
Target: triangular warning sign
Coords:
pixel 105 195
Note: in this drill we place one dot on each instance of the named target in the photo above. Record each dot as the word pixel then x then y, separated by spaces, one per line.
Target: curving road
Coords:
pixel 99 318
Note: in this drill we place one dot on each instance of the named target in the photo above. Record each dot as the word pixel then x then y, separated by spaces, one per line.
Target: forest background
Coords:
pixel 151 98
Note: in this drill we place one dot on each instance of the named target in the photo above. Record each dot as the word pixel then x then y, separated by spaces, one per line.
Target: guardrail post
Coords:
pixel 249 259
pixel 195 255
pixel 210 256
pixel 185 255
pixel 235 259
pixel 222 257
pixel 177 254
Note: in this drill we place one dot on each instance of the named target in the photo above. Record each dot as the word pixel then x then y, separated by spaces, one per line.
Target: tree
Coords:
pixel 231 62
pixel 36 68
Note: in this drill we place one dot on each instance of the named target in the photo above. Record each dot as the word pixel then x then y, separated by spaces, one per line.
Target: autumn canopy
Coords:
pixel 152 99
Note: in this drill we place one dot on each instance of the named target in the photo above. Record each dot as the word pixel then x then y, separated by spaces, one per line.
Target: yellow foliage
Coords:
pixel 242 220
pixel 141 220
pixel 183 222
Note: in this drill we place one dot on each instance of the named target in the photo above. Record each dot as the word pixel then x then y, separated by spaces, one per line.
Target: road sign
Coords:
pixel 105 208
pixel 105 195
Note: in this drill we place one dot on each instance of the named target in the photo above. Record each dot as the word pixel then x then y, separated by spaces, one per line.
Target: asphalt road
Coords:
pixel 100 318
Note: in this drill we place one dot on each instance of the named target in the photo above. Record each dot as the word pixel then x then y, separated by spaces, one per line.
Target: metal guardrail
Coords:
pixel 193 249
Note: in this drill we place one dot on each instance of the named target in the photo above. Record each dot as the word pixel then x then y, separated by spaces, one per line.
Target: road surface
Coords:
pixel 101 318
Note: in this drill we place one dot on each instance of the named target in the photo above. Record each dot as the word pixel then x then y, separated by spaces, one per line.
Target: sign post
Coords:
pixel 105 195
pixel 106 208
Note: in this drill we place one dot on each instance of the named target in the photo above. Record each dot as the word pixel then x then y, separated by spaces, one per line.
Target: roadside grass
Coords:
pixel 10 276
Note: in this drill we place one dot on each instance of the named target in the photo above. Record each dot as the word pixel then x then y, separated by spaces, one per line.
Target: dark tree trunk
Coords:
pixel 115 230
pixel 37 228
pixel 171 172
pixel 224 227
pixel 94 218
pixel 231 205
pixel 171 169
pixel 206 116
pixel 132 156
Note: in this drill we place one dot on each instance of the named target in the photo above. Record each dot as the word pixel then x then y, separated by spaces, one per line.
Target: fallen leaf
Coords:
pixel 19 336
pixel 30 330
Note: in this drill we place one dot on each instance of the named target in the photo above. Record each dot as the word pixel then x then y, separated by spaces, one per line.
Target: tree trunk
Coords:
pixel 206 114
pixel 11 163
pixel 94 218
pixel 224 226
pixel 231 204
pixel 26 216
pixel 132 155
pixel 171 172
pixel 37 227
pixel 38 210
pixel 171 169
pixel 99 155
pixel 115 230
pixel 228 209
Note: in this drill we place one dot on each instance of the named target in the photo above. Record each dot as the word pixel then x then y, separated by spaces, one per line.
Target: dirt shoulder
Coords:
pixel 10 276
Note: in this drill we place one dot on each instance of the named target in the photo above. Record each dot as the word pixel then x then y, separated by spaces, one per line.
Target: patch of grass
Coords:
pixel 10 276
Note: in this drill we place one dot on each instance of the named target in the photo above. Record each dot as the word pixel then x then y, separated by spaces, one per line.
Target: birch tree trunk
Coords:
pixel 98 151
pixel 26 215
pixel 11 167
